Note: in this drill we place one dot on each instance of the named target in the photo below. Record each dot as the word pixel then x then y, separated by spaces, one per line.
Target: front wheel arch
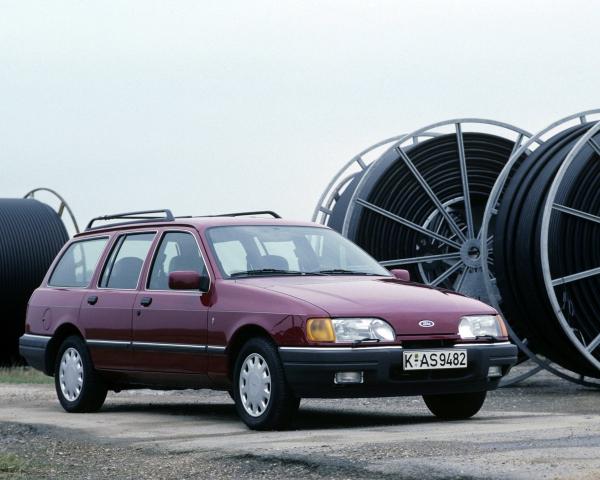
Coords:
pixel 239 339
pixel 282 404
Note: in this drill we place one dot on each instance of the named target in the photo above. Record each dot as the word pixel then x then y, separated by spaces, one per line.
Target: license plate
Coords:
pixel 434 359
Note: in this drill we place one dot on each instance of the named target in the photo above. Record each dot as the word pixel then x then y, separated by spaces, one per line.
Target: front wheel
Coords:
pixel 262 396
pixel 456 406
pixel 78 386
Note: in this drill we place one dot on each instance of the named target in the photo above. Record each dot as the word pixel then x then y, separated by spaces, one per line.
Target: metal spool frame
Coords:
pixel 462 262
pixel 550 208
pixel 345 175
pixel 62 207
pixel 332 193
pixel 491 210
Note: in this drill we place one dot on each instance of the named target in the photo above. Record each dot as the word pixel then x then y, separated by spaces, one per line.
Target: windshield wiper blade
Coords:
pixel 277 271
pixel 266 271
pixel 341 271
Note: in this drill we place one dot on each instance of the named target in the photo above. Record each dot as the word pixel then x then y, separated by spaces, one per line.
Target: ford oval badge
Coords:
pixel 426 323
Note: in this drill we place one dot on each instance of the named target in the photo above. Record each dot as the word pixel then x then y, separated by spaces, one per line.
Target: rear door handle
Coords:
pixel 146 301
pixel 92 300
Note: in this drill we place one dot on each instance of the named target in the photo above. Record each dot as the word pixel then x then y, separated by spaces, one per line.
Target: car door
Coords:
pixel 170 326
pixel 60 301
pixel 107 309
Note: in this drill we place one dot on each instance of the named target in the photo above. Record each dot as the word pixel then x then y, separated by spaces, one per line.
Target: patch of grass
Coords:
pixel 11 464
pixel 23 375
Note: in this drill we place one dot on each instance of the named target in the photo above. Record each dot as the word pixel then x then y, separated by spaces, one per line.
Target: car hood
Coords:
pixel 402 304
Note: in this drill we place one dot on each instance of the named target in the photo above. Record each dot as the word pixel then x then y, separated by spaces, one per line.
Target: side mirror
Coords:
pixel 401 274
pixel 188 280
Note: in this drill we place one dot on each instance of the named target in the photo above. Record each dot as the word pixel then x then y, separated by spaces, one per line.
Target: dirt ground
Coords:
pixel 543 429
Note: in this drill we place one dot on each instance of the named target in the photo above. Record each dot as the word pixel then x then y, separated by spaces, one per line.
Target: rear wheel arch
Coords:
pixel 61 333
pixel 78 386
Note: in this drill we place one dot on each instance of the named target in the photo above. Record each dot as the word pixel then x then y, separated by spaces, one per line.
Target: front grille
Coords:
pixel 426 344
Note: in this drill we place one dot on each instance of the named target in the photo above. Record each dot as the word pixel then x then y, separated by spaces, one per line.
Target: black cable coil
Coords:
pixel 393 187
pixel 32 233
pixel 573 246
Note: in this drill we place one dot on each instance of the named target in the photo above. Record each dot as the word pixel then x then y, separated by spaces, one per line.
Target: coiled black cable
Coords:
pixel 31 234
pixel 391 186
pixel 572 247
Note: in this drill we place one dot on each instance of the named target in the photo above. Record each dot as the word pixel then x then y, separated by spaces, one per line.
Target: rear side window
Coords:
pixel 78 264
pixel 178 251
pixel 124 265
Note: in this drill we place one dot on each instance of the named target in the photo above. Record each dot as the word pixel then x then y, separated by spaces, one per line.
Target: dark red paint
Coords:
pixel 278 306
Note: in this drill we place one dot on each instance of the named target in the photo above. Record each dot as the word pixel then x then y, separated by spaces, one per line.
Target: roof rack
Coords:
pixel 237 214
pixel 132 218
pixel 247 214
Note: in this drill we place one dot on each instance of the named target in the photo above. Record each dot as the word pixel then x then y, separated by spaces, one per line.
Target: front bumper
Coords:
pixel 310 371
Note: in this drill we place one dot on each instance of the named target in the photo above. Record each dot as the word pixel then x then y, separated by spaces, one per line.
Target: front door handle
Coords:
pixel 92 300
pixel 146 301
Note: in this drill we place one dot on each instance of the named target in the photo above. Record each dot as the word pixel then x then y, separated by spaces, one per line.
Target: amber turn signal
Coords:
pixel 320 330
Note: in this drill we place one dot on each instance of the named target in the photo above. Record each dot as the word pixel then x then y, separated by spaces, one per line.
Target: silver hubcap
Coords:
pixel 70 374
pixel 255 385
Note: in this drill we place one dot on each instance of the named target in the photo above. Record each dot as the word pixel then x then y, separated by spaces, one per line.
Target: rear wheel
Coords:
pixel 78 386
pixel 456 406
pixel 262 396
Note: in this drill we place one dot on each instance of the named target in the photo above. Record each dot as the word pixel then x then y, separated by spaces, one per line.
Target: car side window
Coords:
pixel 124 265
pixel 78 264
pixel 177 252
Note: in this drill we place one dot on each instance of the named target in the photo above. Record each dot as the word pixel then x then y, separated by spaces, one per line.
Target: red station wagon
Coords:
pixel 269 310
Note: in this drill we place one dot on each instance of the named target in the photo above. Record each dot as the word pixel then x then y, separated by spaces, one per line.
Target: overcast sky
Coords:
pixel 206 107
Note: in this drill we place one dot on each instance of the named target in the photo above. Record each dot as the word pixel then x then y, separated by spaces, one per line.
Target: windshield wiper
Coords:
pixel 277 271
pixel 341 271
pixel 266 271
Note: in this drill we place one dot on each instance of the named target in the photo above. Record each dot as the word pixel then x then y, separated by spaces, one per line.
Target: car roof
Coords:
pixel 200 223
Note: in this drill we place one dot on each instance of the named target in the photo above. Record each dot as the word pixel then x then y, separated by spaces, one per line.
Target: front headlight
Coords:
pixel 475 326
pixel 348 330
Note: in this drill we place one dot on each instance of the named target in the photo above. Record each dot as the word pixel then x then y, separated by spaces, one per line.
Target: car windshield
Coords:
pixel 269 250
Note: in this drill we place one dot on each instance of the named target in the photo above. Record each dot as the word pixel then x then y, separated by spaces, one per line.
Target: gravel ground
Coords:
pixel 51 453
pixel 544 429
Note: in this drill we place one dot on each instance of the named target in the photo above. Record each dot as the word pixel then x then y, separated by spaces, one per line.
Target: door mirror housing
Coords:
pixel 401 274
pixel 188 280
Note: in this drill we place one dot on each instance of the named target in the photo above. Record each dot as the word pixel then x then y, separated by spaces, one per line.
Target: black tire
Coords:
pixel 93 390
pixel 282 404
pixel 456 406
